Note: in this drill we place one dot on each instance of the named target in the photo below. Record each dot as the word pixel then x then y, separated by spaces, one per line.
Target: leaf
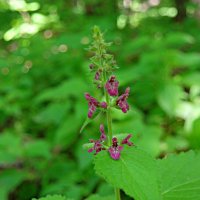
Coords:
pixel 97 197
pixel 134 172
pixel 67 132
pixel 180 176
pixel 169 98
pixel 63 90
pixel 194 136
pixel 89 120
pixel 9 180
pixel 39 148
pixel 53 113
pixel 53 197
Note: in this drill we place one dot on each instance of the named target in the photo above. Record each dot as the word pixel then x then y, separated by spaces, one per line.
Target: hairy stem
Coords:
pixel 117 194
pixel 109 124
pixel 108 115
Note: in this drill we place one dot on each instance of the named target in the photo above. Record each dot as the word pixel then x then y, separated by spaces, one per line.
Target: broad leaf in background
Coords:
pixel 180 176
pixel 53 197
pixel 97 197
pixel 134 172
pixel 169 98
pixel 10 179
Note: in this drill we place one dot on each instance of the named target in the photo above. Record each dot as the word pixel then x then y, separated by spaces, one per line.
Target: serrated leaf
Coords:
pixel 53 197
pixel 180 176
pixel 134 172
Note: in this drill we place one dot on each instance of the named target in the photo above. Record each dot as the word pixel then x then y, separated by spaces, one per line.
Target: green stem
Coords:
pixel 117 194
pixel 108 114
pixel 109 118
pixel 109 124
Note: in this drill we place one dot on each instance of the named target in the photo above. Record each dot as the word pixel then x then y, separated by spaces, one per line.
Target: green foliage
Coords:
pixel 175 177
pixel 97 197
pixel 135 173
pixel 53 197
pixel 44 74
pixel 179 176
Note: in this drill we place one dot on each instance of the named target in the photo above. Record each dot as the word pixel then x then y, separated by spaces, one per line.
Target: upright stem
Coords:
pixel 109 117
pixel 117 194
pixel 108 114
pixel 109 124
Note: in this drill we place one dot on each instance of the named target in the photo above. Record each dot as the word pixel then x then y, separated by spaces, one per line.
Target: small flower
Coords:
pixel 122 101
pixel 92 103
pixel 126 140
pixel 91 66
pixel 112 86
pixel 103 104
pixel 98 144
pixel 103 135
pixel 97 75
pixel 114 150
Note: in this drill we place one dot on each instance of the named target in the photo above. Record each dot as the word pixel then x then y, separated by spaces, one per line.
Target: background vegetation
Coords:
pixel 44 72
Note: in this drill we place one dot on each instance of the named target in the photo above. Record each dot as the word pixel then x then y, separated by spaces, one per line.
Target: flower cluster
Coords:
pixel 93 104
pixel 102 66
pixel 114 150
pixel 112 88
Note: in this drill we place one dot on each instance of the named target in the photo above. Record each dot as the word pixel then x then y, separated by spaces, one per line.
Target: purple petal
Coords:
pixel 92 103
pixel 112 86
pixel 90 150
pixel 97 76
pixel 126 140
pixel 103 135
pixel 103 105
pixel 122 101
pixel 114 152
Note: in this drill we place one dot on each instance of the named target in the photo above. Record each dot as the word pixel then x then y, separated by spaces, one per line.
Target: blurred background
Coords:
pixel 44 72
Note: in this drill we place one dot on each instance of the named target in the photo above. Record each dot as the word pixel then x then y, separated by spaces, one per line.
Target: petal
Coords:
pixel 114 153
pixel 90 150
pixel 103 135
pixel 103 104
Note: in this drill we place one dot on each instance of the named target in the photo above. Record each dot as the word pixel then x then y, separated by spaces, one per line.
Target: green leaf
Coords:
pixel 180 176
pixel 170 97
pixel 53 197
pixel 39 148
pixel 134 172
pixel 97 197
pixel 9 180
pixel 89 120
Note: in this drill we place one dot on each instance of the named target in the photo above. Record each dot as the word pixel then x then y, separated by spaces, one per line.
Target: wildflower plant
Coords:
pixel 116 157
pixel 103 66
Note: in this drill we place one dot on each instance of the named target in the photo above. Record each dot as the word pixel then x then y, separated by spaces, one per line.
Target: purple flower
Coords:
pixel 126 140
pixel 98 146
pixel 112 86
pixel 114 150
pixel 103 135
pixel 97 75
pixel 92 103
pixel 103 104
pixel 121 101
